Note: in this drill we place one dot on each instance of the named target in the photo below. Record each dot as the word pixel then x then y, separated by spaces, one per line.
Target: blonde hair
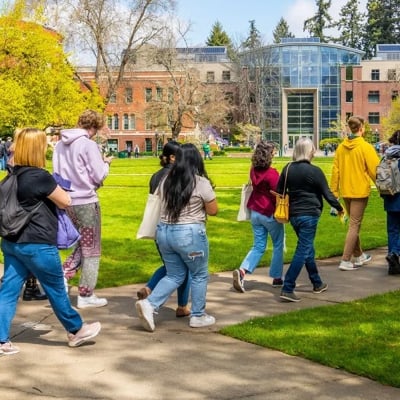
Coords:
pixel 303 150
pixel 30 146
pixel 91 119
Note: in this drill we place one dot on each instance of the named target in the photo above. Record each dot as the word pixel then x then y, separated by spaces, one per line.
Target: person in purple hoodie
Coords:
pixel 78 159
pixel 262 205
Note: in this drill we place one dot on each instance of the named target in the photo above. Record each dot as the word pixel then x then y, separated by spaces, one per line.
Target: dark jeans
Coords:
pixel 305 228
pixel 393 231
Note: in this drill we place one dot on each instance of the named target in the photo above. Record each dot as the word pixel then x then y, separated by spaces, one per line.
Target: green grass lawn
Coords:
pixel 361 336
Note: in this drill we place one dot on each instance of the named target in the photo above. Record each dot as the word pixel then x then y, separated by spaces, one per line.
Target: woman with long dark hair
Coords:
pixel 188 197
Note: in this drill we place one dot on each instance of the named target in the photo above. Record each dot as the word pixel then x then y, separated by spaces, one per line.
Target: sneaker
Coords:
pixel 87 332
pixel 143 293
pixel 145 311
pixel 91 301
pixel 320 288
pixel 277 282
pixel 201 322
pixel 394 264
pixel 8 348
pixel 347 266
pixel 289 296
pixel 238 281
pixel 361 260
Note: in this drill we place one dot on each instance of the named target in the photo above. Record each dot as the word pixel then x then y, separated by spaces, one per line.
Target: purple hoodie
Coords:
pixel 78 158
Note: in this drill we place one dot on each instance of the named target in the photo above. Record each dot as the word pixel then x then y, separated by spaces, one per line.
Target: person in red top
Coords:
pixel 262 205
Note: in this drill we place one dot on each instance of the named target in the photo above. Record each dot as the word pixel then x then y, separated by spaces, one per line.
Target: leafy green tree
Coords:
pixel 383 24
pixel 281 31
pixel 218 37
pixel 350 25
pixel 253 41
pixel 391 123
pixel 35 77
pixel 320 21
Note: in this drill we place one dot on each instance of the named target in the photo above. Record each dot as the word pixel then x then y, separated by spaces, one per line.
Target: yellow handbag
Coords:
pixel 281 213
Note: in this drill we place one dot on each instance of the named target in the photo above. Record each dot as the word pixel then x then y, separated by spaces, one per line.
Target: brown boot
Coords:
pixel 143 293
pixel 182 311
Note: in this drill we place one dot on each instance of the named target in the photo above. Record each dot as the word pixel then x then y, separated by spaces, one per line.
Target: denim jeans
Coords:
pixel 184 249
pixel 43 261
pixel 262 226
pixel 305 228
pixel 393 231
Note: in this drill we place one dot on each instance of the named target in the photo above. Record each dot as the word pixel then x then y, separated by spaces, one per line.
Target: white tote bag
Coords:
pixel 151 217
pixel 244 212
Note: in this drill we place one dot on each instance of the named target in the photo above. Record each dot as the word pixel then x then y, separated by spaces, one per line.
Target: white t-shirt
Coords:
pixel 195 211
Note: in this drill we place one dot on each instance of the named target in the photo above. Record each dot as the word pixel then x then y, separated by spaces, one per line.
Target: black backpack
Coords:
pixel 13 217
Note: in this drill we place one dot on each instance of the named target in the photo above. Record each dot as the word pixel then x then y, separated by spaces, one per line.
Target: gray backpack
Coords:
pixel 388 176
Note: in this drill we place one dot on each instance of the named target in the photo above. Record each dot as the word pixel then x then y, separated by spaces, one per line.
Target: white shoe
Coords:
pixel 200 322
pixel 361 260
pixel 91 302
pixel 347 266
pixel 87 332
pixel 145 312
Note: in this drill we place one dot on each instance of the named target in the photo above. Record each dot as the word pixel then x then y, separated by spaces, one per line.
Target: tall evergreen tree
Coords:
pixel 281 31
pixel 218 37
pixel 253 41
pixel 383 24
pixel 350 25
pixel 320 21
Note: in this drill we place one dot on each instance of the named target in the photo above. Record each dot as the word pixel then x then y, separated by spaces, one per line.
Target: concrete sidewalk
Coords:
pixel 177 362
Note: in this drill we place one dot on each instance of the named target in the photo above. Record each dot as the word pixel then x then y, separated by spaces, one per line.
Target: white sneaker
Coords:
pixel 87 332
pixel 347 266
pixel 145 312
pixel 361 260
pixel 200 322
pixel 91 301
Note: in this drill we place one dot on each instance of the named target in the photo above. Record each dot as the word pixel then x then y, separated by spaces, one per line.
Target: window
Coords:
pixel 375 75
pixel 109 121
pixel 113 98
pixel 226 76
pixel 170 95
pixel 349 73
pixel 115 122
pixel 210 76
pixel 132 121
pixel 128 95
pixel 229 97
pixel 159 94
pixel 148 124
pixel 126 121
pixel 148 95
pixel 373 118
pixel 395 95
pixel 373 96
pixel 391 74
pixel 349 96
pixel 348 115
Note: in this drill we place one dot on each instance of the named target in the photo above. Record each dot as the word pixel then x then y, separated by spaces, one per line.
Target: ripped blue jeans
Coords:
pixel 184 247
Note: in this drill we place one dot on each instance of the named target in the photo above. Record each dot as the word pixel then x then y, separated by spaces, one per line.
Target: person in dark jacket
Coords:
pixel 167 159
pixel 262 205
pixel 306 185
pixel 391 204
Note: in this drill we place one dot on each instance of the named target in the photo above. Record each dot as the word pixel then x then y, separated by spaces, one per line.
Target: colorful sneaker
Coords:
pixel 8 348
pixel 347 266
pixel 320 288
pixel 277 282
pixel 361 260
pixel 87 332
pixel 201 322
pixel 145 312
pixel 91 301
pixel 289 296
pixel 238 280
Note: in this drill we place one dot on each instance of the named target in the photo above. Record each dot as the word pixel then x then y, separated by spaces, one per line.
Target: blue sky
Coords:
pixel 234 15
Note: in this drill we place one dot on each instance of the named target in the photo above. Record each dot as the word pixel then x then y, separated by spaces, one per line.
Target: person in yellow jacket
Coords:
pixel 354 167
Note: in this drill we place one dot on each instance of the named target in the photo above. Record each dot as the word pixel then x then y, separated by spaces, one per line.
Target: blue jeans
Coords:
pixel 262 225
pixel 43 261
pixel 184 249
pixel 393 231
pixel 305 228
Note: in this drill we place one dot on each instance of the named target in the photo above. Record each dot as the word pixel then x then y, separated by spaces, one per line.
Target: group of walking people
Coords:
pixel 188 198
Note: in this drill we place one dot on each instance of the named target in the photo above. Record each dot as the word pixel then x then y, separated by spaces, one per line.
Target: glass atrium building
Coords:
pixel 296 86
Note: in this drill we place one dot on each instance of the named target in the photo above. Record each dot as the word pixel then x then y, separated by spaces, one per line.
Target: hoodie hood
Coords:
pixel 70 135
pixel 353 143
pixel 393 151
pixel 257 175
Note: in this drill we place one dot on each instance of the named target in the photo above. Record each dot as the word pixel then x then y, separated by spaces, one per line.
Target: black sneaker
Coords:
pixel 289 296
pixel 320 288
pixel 394 264
pixel 277 282
pixel 238 281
